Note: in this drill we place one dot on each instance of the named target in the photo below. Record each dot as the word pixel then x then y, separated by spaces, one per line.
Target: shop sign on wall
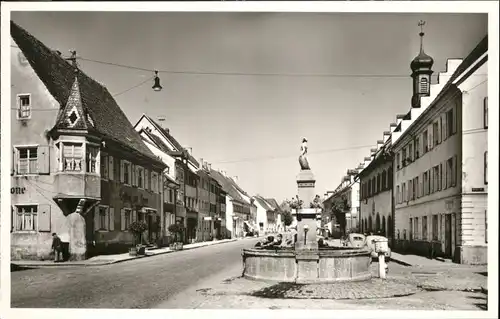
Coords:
pixel 17 190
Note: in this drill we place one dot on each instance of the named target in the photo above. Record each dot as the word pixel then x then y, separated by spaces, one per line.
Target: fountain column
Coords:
pixel 306 216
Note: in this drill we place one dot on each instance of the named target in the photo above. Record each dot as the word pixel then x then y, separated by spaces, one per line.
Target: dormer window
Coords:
pixel 23 106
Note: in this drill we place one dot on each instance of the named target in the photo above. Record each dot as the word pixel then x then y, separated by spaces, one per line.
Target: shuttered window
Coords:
pixel 27 162
pixel 26 218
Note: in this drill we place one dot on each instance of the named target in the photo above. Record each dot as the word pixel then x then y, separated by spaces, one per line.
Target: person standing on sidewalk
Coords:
pixel 64 246
pixel 56 247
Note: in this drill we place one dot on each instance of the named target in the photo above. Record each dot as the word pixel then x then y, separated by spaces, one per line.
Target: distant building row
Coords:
pixel 425 185
pixel 82 170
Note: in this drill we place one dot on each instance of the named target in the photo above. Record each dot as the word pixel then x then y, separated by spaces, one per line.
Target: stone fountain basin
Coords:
pixel 324 265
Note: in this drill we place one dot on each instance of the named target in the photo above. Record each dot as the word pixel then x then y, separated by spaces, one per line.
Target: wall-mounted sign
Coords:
pixel 17 190
pixel 479 189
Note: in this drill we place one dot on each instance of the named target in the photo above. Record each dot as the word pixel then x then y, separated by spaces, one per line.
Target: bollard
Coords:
pixel 381 265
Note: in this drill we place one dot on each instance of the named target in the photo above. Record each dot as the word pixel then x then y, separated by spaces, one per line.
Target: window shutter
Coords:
pixel 97 158
pixel 133 183
pixel 13 219
pixel 444 129
pixel 13 163
pixel 430 137
pixel 136 175
pixel 454 171
pixel 455 110
pixel 134 215
pixel 146 179
pixel 111 168
pixel 410 190
pixel 96 218
pixel 431 180
pixel 439 128
pixel 111 218
pixel 122 215
pixel 43 159
pixel 44 218
pixel 122 172
pixel 421 186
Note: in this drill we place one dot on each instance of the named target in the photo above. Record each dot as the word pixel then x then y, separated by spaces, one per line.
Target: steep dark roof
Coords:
pixel 273 203
pixel 475 54
pixel 264 203
pixel 227 186
pixel 58 76
pixel 235 185
pixel 158 141
pixel 172 139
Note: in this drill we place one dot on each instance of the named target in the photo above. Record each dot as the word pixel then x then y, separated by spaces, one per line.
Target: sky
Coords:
pixel 251 126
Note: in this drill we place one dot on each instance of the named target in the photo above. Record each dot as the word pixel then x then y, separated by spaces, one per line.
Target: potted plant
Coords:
pixel 137 228
pixel 176 231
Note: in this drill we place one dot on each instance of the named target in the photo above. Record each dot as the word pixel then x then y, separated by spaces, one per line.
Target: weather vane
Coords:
pixel 421 24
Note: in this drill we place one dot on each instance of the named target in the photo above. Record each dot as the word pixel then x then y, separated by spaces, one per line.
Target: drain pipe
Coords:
pixel 306 229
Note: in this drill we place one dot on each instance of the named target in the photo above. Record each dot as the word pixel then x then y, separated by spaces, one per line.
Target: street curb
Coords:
pixel 397 261
pixel 120 261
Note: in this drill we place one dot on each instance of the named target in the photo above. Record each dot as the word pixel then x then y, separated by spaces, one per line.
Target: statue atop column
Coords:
pixel 304 164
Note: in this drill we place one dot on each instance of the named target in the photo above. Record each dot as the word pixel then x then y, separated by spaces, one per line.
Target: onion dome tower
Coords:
pixel 421 67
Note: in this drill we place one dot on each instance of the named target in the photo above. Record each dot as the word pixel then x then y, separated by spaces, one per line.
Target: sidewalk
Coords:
pixel 415 260
pixel 113 259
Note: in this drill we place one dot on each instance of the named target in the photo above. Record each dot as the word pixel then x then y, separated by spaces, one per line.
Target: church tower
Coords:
pixel 421 67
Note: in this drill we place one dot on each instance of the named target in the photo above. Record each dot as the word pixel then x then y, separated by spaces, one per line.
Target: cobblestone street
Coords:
pixel 406 288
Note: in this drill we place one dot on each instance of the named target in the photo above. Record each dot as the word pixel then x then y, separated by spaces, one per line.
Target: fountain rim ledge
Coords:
pixel 292 252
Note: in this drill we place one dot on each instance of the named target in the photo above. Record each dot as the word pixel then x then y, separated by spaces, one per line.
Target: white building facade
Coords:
pixel 376 194
pixel 440 162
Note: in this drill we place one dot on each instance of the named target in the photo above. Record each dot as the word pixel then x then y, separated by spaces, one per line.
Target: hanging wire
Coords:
pixel 133 87
pixel 289 156
pixel 258 74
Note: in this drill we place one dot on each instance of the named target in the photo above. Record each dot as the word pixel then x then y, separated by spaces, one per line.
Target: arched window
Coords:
pixel 384 180
pixel 370 224
pixel 390 230
pixel 424 85
pixel 377 223
pixel 383 227
pixel 389 177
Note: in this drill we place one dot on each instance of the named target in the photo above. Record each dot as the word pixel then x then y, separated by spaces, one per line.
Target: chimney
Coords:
pixel 161 119
pixel 209 166
pixel 235 178
pixel 201 162
pixel 190 150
